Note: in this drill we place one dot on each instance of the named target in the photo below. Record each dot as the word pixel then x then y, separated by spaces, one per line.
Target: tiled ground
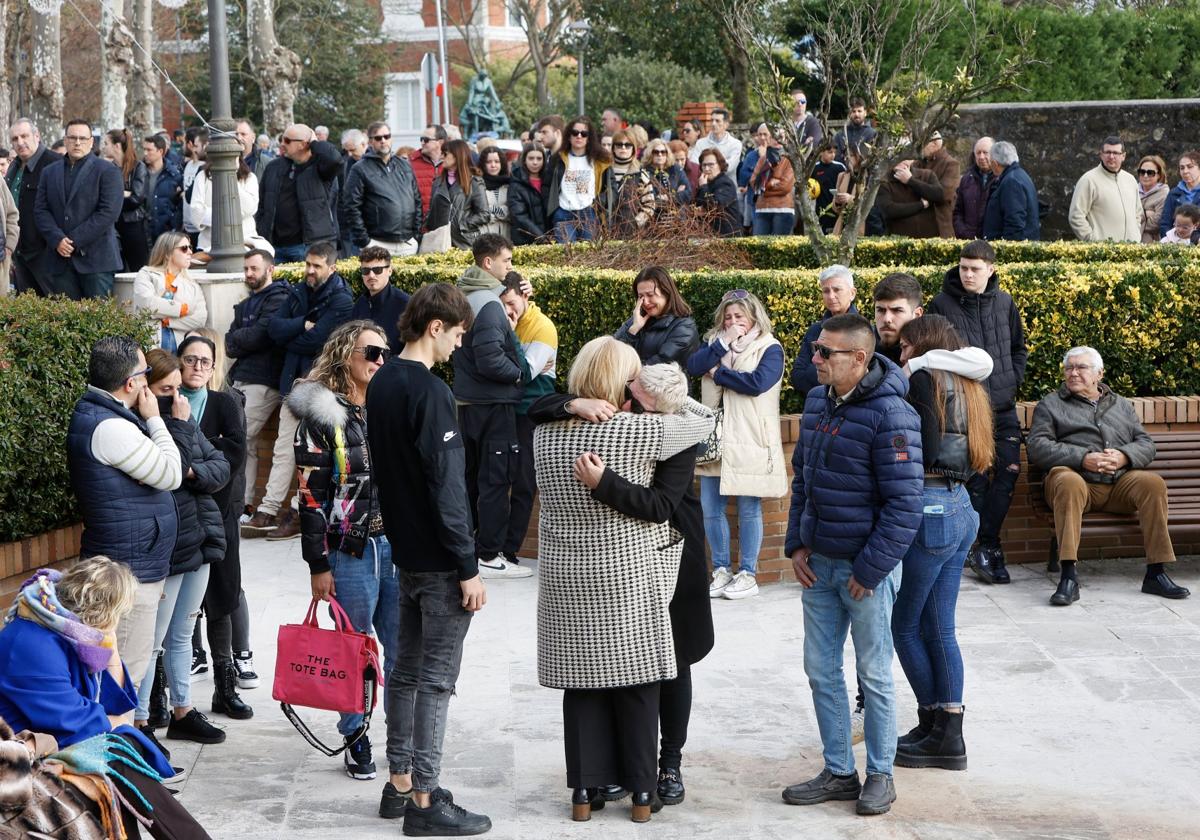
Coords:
pixel 1082 722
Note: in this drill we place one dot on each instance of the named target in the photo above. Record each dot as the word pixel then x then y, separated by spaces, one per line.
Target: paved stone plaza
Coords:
pixel 1082 722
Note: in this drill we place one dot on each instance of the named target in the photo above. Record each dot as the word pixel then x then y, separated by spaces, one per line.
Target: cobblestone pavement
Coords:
pixel 1082 722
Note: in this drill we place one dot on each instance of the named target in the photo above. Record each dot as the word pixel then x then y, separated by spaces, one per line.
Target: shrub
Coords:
pixel 44 349
pixel 646 87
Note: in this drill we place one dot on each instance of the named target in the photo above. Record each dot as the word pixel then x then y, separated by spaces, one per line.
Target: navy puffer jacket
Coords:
pixel 201 536
pixel 858 489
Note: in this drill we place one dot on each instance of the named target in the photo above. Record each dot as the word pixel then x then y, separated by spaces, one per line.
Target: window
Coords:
pixel 405 103
pixel 512 16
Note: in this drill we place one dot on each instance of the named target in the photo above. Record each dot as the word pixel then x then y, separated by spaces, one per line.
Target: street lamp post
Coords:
pixel 223 152
pixel 581 29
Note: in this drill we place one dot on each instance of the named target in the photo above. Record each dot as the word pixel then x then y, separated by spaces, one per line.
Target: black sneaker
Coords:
pixel 148 731
pixel 194 726
pixel 199 662
pixel 443 819
pixel 394 802
pixel 243 661
pixel 359 763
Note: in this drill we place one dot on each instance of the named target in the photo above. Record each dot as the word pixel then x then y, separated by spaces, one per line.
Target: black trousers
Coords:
pixel 490 438
pixel 674 714
pixel 991 495
pixel 171 821
pixel 28 274
pixel 524 487
pixel 610 735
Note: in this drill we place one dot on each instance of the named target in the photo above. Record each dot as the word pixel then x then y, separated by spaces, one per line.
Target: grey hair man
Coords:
pixel 837 293
pixel 1012 207
pixel 29 246
pixel 1096 451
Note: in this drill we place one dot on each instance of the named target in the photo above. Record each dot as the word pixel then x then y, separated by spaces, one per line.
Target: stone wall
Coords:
pixel 1059 141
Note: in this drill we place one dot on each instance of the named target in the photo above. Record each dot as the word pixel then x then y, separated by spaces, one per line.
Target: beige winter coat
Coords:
pixel 149 288
pixel 1106 206
pixel 752 462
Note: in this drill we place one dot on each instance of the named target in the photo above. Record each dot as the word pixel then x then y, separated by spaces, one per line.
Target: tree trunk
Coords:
pixel 739 78
pixel 139 113
pixel 276 68
pixel 46 88
pixel 116 59
pixel 6 69
pixel 541 74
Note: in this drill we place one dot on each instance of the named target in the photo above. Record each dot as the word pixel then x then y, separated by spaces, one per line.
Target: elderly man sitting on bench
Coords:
pixel 1096 451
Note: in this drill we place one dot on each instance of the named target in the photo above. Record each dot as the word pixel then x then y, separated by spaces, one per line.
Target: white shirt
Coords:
pixel 730 147
pixel 578 188
pixel 153 461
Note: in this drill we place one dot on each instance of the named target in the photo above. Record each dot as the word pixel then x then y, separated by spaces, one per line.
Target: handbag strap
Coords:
pixel 341 621
pixel 369 690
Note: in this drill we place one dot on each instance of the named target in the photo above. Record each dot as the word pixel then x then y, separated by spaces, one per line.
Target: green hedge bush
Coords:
pixel 44 349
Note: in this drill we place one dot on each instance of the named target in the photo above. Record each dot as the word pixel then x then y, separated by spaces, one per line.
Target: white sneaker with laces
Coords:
pixel 743 585
pixel 721 578
pixel 498 567
pixel 858 726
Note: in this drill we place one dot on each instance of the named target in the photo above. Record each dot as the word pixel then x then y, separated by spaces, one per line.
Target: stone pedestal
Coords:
pixel 221 292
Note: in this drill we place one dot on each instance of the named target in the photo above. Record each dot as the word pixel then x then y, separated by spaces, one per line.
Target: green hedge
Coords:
pixel 44 349
pixel 1143 317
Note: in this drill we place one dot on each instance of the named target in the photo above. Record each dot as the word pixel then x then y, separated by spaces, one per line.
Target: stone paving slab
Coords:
pixel 1082 722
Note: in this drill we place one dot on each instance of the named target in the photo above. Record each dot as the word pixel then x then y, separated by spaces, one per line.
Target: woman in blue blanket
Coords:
pixel 61 674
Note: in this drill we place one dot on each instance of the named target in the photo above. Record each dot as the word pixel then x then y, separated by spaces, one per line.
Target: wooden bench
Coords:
pixel 1177 461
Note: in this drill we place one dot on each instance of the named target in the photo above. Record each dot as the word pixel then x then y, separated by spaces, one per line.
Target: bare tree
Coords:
pixel 544 22
pixel 469 18
pixel 46 87
pixel 143 92
pixel 907 105
pixel 116 62
pixel 276 68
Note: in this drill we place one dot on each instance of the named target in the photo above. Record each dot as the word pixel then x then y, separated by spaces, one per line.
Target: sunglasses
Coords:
pixel 187 249
pixel 1147 171
pixel 577 133
pixel 424 139
pixel 826 352
pixel 373 269
pixel 736 294
pixel 658 152
pixel 374 353
pixel 622 145
pixel 385 137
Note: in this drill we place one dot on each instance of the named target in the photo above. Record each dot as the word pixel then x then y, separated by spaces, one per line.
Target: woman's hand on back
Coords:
pixel 589 468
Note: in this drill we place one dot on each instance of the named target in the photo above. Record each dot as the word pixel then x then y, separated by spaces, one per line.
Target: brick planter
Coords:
pixel 18 559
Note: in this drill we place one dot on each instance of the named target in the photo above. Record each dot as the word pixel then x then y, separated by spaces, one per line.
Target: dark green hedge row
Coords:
pixel 44 349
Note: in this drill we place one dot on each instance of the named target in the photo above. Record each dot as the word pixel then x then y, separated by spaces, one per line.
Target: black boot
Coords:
pixel 583 802
pixel 160 715
pixel 920 731
pixel 943 747
pixel 225 697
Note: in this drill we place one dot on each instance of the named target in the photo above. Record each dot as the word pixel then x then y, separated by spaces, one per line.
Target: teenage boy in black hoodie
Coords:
pixel 418 464
pixel 986 317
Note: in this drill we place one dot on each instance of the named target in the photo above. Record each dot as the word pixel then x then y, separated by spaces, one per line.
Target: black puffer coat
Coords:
pixel 989 320
pixel 337 498
pixel 526 209
pixel 201 536
pixel 665 339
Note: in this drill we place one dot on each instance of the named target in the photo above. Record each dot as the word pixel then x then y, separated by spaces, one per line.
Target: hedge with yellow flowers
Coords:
pixel 1142 315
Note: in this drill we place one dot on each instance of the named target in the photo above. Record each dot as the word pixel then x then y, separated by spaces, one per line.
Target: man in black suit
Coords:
pixel 78 202
pixel 32 159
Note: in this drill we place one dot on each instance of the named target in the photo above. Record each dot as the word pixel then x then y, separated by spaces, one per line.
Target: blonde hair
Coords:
pixel 648 152
pixel 332 367
pixel 668 385
pixel 160 254
pixel 602 369
pixel 98 590
pixel 755 311
pixel 220 360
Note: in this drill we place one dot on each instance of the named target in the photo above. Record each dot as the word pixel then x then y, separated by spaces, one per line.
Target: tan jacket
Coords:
pixel 752 462
pixel 778 192
pixel 150 285
pixel 1106 206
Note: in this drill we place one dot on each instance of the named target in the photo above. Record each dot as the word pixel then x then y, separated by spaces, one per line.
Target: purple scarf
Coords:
pixel 38 602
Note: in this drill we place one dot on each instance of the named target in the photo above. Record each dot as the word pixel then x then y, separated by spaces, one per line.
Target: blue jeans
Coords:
pixel 774 224
pixel 290 253
pixel 369 592
pixel 716 526
pixel 573 225
pixel 177 614
pixel 923 620
pixel 433 625
pixel 829 611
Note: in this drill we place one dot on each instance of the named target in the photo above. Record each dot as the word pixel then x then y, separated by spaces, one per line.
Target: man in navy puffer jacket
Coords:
pixel 857 502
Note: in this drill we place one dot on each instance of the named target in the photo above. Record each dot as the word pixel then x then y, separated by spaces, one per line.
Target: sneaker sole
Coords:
pixel 940 762
pixel 246 684
pixel 737 596
pixel 843 796
pixel 360 775
pixel 197 739
pixel 872 810
pixel 716 593
pixel 436 831
pixel 498 574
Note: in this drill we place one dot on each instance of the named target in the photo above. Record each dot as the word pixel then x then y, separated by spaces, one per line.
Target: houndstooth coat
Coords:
pixel 605 579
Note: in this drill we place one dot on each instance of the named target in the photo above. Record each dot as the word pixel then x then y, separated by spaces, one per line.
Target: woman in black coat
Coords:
pixel 117 147
pixel 661 328
pixel 458 197
pixel 526 204
pixel 670 497
pixel 716 194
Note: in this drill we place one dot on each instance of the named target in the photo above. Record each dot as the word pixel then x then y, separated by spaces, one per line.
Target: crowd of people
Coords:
pixel 410 493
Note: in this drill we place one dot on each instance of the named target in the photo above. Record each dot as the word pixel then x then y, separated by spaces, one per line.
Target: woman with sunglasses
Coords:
pixel 670 182
pixel 956 443
pixel 741 363
pixel 626 195
pixel 526 201
pixel 1152 190
pixel 382 302
pixel 341 526
pixel 458 198
pixel 166 291
pixel 573 179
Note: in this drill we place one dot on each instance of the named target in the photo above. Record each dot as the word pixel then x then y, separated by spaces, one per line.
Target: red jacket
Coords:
pixel 425 172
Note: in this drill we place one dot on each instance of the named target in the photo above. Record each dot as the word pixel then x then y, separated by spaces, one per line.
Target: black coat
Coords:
pixel 665 339
pixel 201 535
pixel 258 360
pixel 526 210
pixel 385 310
pixel 466 214
pixel 381 200
pixel 133 206
pixel 316 191
pixel 669 497
pixel 721 193
pixel 224 424
pixel 326 307
pixel 31 242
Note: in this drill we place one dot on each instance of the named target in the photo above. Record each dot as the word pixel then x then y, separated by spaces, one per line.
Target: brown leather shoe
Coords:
pixel 258 526
pixel 287 526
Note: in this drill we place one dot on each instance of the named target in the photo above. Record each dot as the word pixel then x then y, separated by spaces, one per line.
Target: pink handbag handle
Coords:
pixel 341 621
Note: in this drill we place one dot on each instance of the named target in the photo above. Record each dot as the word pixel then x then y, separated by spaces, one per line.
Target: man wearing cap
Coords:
pixel 935 158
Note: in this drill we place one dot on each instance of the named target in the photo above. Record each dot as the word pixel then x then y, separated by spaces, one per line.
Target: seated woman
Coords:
pixel 61 674
pixel 165 290
pixel 741 363
pixel 597 563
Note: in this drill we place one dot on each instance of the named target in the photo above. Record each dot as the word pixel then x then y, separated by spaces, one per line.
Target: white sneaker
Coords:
pixel 858 727
pixel 498 567
pixel 743 585
pixel 721 579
